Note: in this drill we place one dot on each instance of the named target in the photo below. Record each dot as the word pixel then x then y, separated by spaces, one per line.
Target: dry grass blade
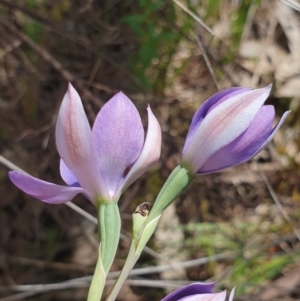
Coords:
pixel 65 74
pixel 74 207
pixel 207 61
pixel 194 16
pixel 32 290
pixel 84 281
pixel 278 203
pixel 293 4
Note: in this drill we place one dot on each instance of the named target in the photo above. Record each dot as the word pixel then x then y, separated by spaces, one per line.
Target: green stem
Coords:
pixel 131 260
pixel 98 281
pixel 109 223
pixel 178 180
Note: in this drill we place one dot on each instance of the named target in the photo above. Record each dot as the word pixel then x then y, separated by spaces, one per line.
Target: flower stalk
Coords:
pixel 131 260
pixel 98 281
pixel 180 178
pixel 109 223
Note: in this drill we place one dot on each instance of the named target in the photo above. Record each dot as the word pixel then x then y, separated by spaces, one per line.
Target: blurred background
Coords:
pixel 242 222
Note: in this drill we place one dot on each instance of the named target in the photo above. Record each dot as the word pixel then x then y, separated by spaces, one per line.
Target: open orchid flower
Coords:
pixel 99 163
pixel 229 128
pixel 197 292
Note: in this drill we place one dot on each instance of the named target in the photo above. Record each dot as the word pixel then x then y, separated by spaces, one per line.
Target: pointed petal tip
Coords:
pixel 148 108
pixel 120 97
pixel 266 89
pixel 287 112
pixel 13 175
pixel 121 93
pixel 269 88
pixel 150 153
pixel 71 89
pixel 231 294
pixel 10 174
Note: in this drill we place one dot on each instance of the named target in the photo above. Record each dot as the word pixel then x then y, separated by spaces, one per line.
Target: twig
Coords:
pixel 48 264
pixel 69 35
pixel 207 61
pixel 277 202
pixel 83 281
pixel 76 208
pixel 179 265
pixel 46 56
pixel 249 21
pixel 194 16
pixel 46 23
pixel 256 74
pixel 31 290
pixel 41 51
pixel 293 4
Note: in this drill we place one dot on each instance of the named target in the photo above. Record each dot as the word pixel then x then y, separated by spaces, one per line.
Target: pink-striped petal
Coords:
pixel 222 125
pixel 75 145
pixel 274 131
pixel 208 105
pixel 119 136
pixel 250 143
pixel 231 294
pixel 44 191
pixel 150 152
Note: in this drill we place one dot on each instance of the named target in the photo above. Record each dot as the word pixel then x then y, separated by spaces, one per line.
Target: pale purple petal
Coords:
pixel 231 294
pixel 222 125
pixel 150 152
pixel 119 136
pixel 275 129
pixel 246 146
pixel 75 145
pixel 67 174
pixel 190 290
pixel 208 105
pixel 44 191
pixel 206 297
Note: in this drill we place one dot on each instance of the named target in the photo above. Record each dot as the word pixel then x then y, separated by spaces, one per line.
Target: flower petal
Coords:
pixel 222 125
pixel 149 154
pixel 231 294
pixel 190 290
pixel 67 174
pixel 247 145
pixel 274 131
pixel 44 191
pixel 206 297
pixel 208 105
pixel 119 136
pixel 75 145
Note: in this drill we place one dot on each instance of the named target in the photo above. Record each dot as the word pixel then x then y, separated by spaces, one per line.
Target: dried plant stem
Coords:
pixel 278 203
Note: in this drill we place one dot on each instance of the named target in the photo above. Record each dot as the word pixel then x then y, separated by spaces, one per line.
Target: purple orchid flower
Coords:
pixel 197 292
pixel 99 163
pixel 229 128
